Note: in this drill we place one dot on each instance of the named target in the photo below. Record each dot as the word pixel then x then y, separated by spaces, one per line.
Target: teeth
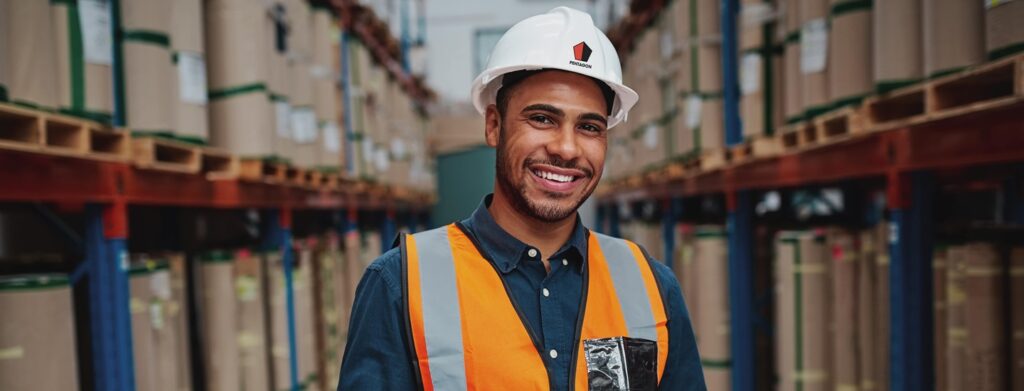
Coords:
pixel 554 177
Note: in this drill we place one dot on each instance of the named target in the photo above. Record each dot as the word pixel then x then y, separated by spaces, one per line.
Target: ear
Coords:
pixel 492 126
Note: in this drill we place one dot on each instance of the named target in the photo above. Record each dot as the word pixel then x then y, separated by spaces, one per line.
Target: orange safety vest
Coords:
pixel 468 335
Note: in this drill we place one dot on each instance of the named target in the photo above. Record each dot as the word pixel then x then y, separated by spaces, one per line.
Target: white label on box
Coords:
pixel 192 77
pixel 693 105
pixel 380 159
pixel 97 42
pixel 651 136
pixel 160 285
pixel 814 46
pixel 283 112
pixel 989 4
pixel 750 76
pixel 756 14
pixel 398 148
pixel 667 46
pixel 303 124
pixel 332 137
pixel 367 150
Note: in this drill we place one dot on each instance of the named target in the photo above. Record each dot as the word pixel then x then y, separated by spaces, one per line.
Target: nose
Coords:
pixel 564 143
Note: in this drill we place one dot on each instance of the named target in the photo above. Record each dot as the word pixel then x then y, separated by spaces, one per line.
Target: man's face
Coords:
pixel 550 144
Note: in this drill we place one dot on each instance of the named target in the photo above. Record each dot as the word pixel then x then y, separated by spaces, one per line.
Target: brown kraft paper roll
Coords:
pixel 866 299
pixel 1017 318
pixel 252 346
pixel 985 318
pixel 897 41
pixel 220 336
pixel 1004 34
pixel 954 35
pixel 843 249
pixel 955 329
pixel 939 262
pixel 849 55
pixel 712 265
pixel 37 336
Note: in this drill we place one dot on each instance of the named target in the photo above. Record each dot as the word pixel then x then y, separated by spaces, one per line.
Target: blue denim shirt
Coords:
pixel 377 356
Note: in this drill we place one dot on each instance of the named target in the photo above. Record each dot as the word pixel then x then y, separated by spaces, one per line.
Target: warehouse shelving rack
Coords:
pixel 906 158
pixel 106 189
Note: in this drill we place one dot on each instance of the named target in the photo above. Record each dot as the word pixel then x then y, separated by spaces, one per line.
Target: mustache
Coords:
pixel 560 163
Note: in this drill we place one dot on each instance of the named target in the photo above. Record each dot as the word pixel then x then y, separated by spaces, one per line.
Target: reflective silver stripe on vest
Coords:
pixel 442 323
pixel 629 287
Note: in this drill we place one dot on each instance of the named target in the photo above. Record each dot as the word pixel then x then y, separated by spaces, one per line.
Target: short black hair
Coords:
pixel 511 79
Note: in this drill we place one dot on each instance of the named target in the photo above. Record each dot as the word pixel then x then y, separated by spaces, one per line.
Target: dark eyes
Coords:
pixel 590 128
pixel 542 119
pixel 547 121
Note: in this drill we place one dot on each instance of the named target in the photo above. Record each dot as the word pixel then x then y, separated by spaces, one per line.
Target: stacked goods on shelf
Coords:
pixel 897 44
pixel 245 42
pixel 305 327
pixel 677 42
pixel 867 313
pixel 646 234
pixel 984 313
pixel 644 127
pixel 177 317
pixel 360 64
pixel 1016 284
pixel 250 285
pixel 28 54
pixel 849 52
pixel 703 107
pixel 331 281
pixel 802 311
pixel 711 324
pixel 842 246
pixel 302 118
pixel 148 70
pixel 1004 34
pixel 685 269
pixel 814 65
pixel 84 49
pixel 954 35
pixel 37 337
pixel 326 102
pixel 759 73
pixel 940 261
pixel 218 309
pixel 354 266
pixel 875 244
pixel 792 87
pixel 155 335
pixel 191 118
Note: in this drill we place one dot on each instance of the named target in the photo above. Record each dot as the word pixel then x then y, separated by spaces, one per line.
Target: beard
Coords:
pixel 543 210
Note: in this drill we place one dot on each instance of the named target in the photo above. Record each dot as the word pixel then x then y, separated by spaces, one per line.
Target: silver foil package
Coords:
pixel 621 363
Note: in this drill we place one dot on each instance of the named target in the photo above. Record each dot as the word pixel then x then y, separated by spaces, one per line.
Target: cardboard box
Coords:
pixel 954 35
pixel 250 282
pixel 1016 284
pixel 84 79
pixel 243 124
pixel 39 345
pixel 28 53
pixel 845 356
pixel 219 331
pixel 898 46
pixel 712 326
pixel 814 65
pixel 849 54
pixel 191 114
pixel 712 124
pixel 985 315
pixel 150 104
pixel 1004 34
pixel 803 268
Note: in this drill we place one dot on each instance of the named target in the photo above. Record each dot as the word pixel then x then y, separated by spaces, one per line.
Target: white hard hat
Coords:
pixel 564 39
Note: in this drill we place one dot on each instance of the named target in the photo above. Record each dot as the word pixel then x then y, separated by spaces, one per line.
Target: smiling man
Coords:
pixel 520 295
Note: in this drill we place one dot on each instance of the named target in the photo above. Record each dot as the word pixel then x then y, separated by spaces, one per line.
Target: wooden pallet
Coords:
pixel 218 164
pixel 261 170
pixel 707 161
pixel 980 88
pixel 839 124
pixel 154 153
pixel 754 148
pixel 313 179
pixel 295 176
pixel 42 132
pixel 797 136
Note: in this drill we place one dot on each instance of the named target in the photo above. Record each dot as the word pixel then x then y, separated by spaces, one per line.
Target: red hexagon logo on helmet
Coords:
pixel 582 52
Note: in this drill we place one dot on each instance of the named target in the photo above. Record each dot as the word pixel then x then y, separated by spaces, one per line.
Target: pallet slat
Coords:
pixel 219 165
pixel 166 155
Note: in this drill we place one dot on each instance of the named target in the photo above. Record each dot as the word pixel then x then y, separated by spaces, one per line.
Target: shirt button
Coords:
pixel 565 262
pixel 553 353
pixel 546 293
pixel 532 253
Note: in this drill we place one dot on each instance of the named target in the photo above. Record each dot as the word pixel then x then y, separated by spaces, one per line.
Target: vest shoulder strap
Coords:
pixel 631 277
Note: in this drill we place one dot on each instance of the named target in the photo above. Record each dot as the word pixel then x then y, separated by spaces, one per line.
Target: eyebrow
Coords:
pixel 560 113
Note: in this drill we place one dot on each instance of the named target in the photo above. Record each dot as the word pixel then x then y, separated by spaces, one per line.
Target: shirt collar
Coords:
pixel 506 251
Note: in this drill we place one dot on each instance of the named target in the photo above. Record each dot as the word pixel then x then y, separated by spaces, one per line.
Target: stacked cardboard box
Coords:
pixel 843 248
pixel 28 56
pixel 803 359
pixel 975 318
pixel 954 35
pixel 759 69
pixel 814 65
pixel 84 47
pixel 37 337
pixel 177 317
pixel 324 71
pixel 849 52
pixel 302 117
pixel 245 42
pixel 1004 34
pixel 250 285
pixel 792 90
pixel 148 72
pixel 191 117
pixel 332 317
pixel 897 44
pixel 218 309
pixel 680 138
pixel 155 338
pixel 711 324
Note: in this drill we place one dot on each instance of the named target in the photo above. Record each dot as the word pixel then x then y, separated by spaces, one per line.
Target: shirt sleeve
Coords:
pixel 683 369
pixel 376 356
